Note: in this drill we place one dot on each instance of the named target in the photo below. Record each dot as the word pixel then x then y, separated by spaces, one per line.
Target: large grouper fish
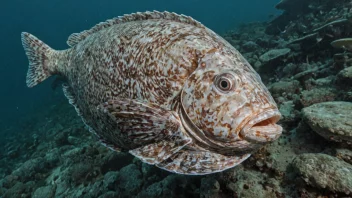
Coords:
pixel 163 87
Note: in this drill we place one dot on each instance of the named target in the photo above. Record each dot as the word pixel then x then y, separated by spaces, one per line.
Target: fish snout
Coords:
pixel 263 128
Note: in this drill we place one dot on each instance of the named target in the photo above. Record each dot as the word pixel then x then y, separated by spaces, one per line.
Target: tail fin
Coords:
pixel 39 54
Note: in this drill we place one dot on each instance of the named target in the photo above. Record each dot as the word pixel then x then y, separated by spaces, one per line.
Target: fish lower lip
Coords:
pixel 263 128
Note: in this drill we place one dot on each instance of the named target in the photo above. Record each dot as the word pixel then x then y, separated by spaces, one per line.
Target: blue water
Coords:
pixel 54 20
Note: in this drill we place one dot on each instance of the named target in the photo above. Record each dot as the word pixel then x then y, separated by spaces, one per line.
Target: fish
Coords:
pixel 163 87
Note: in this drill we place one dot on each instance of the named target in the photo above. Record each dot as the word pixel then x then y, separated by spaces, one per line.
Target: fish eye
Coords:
pixel 225 82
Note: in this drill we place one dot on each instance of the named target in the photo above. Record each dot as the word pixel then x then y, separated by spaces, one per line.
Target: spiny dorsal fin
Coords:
pixel 75 38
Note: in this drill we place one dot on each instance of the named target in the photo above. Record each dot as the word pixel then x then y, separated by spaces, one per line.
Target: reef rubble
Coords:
pixel 303 57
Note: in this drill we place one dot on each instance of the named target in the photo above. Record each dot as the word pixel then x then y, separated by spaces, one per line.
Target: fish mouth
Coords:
pixel 263 128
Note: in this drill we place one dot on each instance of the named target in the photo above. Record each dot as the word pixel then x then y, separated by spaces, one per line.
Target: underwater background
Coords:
pixel 295 46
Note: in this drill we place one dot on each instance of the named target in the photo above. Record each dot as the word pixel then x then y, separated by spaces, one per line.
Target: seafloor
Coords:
pixel 51 154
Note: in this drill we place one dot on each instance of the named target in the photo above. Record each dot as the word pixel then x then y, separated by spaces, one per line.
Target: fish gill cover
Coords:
pixel 302 55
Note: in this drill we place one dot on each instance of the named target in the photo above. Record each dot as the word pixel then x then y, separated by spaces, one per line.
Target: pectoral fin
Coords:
pixel 155 133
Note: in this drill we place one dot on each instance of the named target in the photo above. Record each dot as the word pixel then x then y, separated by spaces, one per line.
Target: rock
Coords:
pixel 2 191
pixel 115 161
pixel 66 148
pixel 79 191
pixel 257 65
pixel 110 179
pixel 61 138
pixel 342 59
pixel 171 186
pixel 18 190
pixel 345 43
pixel 12 154
pixel 250 183
pixel 130 180
pixel 249 57
pixel 151 174
pixel 52 158
pixel 342 43
pixel 96 189
pixel 274 54
pixel 304 41
pixel 73 140
pixel 344 154
pixel 110 194
pixel 9 181
pixel 61 189
pixel 44 192
pixel 324 171
pixel 332 120
pixel 28 169
pixel 278 88
pixel 290 69
pixel 149 170
pixel 317 95
pixel 327 81
pixel 344 78
pixel 209 187
pixel 73 155
pixel 271 60
pixel 307 73
pixel 262 42
pixel 78 172
pixel 287 111
pixel 250 46
pixel 312 71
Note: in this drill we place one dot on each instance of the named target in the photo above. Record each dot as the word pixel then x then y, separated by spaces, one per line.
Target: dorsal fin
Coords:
pixel 75 38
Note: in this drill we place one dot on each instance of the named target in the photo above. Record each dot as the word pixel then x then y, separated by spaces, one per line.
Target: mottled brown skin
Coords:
pixel 112 65
pixel 153 84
